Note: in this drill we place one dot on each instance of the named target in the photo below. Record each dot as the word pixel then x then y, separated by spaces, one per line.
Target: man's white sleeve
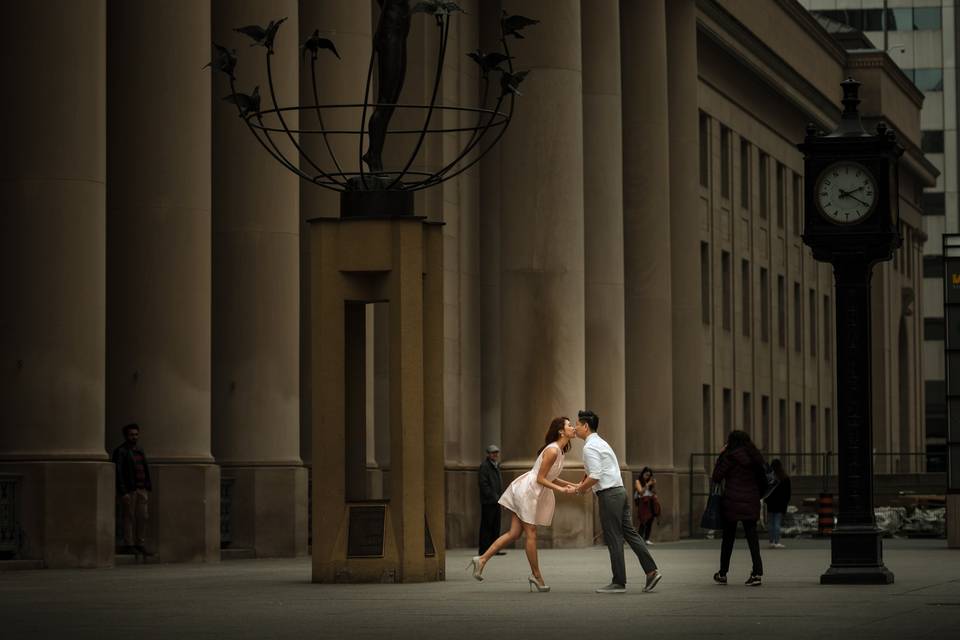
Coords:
pixel 591 462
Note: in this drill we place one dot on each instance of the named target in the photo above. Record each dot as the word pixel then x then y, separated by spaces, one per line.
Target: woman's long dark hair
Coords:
pixel 778 469
pixel 643 471
pixel 554 433
pixel 741 439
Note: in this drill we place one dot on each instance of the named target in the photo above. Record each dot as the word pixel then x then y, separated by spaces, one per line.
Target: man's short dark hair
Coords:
pixel 589 418
pixel 127 427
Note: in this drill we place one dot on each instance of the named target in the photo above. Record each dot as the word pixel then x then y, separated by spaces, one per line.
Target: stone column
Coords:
pixel 685 224
pixel 348 24
pixel 52 245
pixel 158 263
pixel 647 241
pixel 256 403
pixel 541 238
pixel 603 218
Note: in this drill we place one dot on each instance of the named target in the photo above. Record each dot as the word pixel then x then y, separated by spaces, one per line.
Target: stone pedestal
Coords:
pixel 953 520
pixel 355 261
pixel 184 524
pixel 268 510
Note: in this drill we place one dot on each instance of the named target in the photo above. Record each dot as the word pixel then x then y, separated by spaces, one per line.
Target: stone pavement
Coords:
pixel 274 599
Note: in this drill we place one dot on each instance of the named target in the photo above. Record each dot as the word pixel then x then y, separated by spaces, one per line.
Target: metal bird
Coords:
pixel 262 36
pixel 224 60
pixel 488 61
pixel 437 8
pixel 246 103
pixel 511 25
pixel 314 43
pixel 510 82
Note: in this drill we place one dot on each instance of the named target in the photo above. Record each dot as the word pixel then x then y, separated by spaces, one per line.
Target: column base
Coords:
pixel 184 513
pixel 63 512
pixel 857 575
pixel 856 557
pixel 267 512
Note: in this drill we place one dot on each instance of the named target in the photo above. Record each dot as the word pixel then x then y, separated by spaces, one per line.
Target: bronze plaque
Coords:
pixel 365 531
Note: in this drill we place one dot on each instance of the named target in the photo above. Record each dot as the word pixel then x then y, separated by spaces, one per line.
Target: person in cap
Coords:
pixel 491 486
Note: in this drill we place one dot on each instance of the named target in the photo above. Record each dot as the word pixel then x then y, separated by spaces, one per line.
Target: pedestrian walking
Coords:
pixel 739 467
pixel 777 503
pixel 646 501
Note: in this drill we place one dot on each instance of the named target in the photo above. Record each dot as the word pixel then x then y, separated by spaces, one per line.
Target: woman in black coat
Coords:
pixel 738 467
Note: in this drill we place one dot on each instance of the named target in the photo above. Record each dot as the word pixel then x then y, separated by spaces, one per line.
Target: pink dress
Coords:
pixel 531 501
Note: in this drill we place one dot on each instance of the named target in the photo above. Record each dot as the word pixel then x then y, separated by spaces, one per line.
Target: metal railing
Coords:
pixel 226 511
pixel 821 467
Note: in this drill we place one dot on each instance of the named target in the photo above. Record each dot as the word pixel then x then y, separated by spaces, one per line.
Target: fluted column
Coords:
pixel 158 263
pixel 52 244
pixel 684 242
pixel 542 252
pixel 348 24
pixel 647 243
pixel 256 395
pixel 603 218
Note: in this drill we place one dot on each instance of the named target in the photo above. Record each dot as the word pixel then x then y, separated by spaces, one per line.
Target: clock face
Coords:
pixel 846 192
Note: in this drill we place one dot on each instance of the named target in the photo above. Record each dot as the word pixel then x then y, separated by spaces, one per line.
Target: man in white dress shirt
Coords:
pixel 602 474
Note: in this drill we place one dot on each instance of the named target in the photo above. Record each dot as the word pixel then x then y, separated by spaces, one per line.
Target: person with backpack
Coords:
pixel 739 467
pixel 777 503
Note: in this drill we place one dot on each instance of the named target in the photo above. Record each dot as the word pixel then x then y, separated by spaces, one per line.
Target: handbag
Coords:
pixel 712 518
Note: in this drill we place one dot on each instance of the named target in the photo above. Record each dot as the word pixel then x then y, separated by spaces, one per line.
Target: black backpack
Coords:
pixel 766 479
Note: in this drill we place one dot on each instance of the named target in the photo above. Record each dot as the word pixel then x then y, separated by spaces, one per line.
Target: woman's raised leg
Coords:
pixel 512 534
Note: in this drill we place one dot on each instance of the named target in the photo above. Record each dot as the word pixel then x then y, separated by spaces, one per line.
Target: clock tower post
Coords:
pixel 852 221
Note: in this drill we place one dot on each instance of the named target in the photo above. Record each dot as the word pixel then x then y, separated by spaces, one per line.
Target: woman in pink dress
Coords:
pixel 530 498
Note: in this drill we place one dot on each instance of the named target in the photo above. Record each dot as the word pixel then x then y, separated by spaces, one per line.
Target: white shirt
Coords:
pixel 600 463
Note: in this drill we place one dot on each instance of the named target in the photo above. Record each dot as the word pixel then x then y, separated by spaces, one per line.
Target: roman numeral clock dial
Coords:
pixel 845 192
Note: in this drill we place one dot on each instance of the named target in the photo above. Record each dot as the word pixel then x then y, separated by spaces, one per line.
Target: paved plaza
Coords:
pixel 274 599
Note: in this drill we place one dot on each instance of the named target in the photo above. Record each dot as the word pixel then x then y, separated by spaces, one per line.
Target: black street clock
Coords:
pixel 852 221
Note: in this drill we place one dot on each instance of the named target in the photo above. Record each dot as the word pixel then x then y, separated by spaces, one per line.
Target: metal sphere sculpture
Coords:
pixel 269 124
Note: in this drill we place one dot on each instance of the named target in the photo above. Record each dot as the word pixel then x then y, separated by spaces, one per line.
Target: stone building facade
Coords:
pixel 632 245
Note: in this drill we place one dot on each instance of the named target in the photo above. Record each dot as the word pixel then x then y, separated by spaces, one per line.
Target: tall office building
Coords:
pixel 920 36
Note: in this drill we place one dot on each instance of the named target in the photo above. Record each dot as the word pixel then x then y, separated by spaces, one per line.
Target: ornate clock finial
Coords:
pixel 850 124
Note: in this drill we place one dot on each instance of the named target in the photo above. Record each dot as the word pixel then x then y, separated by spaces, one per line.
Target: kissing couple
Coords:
pixel 531 502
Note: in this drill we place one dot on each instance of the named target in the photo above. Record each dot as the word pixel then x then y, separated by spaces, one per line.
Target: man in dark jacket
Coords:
pixel 491 486
pixel 133 488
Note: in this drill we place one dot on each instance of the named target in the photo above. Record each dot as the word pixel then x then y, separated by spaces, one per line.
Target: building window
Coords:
pixel 705 282
pixel 724 162
pixel 727 411
pixel 704 150
pixel 931 141
pixel 827 323
pixel 812 309
pixel 747 315
pixel 927 18
pixel 899 19
pixel 745 174
pixel 707 419
pixel 797 319
pixel 764 305
pixel 726 285
pixel 797 203
pixel 829 440
pixel 747 417
pixel 764 185
pixel 928 79
pixel 933 204
pixel 935 397
pixel 781 312
pixel 765 435
pixel 782 424
pixel 934 329
pixel 814 433
pixel 781 194
pixel 798 434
